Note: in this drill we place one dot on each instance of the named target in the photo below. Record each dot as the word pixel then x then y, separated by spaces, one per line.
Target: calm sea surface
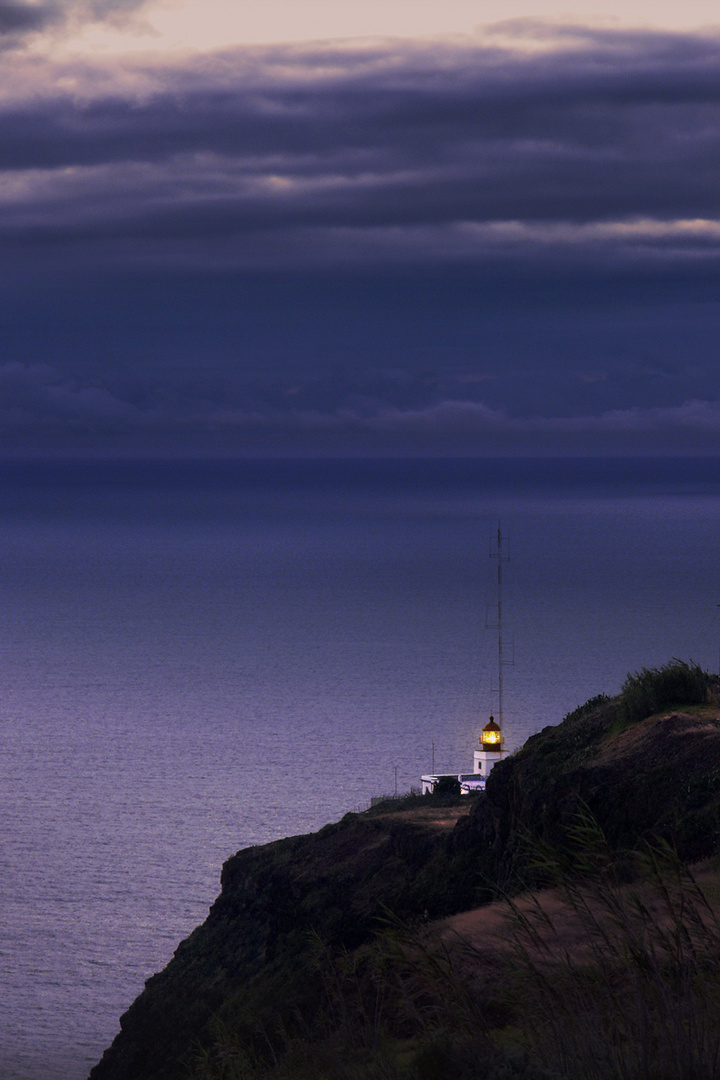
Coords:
pixel 196 658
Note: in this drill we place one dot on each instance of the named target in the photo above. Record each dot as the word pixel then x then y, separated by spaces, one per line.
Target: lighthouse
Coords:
pixel 491 749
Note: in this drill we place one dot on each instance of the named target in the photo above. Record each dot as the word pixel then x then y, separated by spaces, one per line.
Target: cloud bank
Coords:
pixel 600 151
pixel 378 247
pixel 41 410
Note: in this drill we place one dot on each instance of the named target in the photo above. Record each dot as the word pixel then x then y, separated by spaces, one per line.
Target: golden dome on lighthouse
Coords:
pixel 491 735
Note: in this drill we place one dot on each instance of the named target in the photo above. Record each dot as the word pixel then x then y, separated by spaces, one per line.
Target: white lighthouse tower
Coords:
pixel 491 749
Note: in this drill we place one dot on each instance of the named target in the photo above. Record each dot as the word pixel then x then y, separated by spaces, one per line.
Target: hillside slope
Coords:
pixel 645 764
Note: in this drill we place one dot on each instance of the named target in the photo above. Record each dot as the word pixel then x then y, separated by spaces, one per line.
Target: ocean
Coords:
pixel 200 656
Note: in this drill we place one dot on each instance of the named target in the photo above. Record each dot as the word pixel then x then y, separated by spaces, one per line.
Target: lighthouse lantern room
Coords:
pixel 491 749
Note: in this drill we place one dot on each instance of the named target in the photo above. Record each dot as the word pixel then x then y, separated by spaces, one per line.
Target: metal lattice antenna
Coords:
pixel 501 557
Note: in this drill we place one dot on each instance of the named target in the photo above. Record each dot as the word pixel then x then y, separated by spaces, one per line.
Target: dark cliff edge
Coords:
pixel 644 764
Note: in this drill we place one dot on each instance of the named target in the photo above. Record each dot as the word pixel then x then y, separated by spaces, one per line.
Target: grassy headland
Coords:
pixel 550 927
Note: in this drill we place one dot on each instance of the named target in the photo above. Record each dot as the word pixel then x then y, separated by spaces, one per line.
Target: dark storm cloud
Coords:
pixel 273 155
pixel 25 17
pixel 19 21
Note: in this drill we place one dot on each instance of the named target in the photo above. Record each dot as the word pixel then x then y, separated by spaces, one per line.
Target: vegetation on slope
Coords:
pixel 321 958
pixel 596 977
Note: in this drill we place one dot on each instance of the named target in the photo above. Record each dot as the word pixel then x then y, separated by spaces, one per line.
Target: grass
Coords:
pixel 642 1000
pixel 638 999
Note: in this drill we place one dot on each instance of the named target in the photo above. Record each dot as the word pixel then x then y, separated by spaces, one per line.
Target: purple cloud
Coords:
pixel 601 152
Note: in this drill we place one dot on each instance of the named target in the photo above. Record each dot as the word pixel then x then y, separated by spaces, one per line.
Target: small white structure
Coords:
pixel 468 782
pixel 428 782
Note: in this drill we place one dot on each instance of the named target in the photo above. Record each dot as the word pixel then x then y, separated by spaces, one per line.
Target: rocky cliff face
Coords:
pixel 255 956
pixel 277 904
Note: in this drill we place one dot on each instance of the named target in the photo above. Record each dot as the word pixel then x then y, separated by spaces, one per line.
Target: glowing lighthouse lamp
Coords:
pixel 491 749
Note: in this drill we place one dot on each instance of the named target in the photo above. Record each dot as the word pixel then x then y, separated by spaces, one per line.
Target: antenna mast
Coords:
pixel 501 558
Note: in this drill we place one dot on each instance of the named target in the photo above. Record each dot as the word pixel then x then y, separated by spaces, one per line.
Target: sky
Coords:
pixel 312 227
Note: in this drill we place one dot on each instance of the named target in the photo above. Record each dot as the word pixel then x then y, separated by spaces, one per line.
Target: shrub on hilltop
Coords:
pixel 649 690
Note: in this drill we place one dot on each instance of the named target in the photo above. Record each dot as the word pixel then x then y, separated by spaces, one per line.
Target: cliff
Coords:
pixel 644 764
pixel 276 903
